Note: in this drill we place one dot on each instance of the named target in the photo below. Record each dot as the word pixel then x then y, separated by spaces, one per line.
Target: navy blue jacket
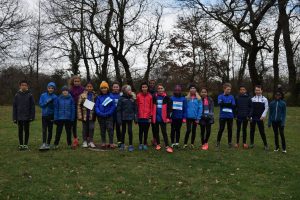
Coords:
pixel 64 108
pixel 243 106
pixel 23 106
pixel 277 112
pixel 179 107
pixel 227 104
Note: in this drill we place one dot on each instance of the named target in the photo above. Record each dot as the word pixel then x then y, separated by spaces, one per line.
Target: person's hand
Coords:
pixel 262 118
pixel 183 120
pixel 15 121
pixel 149 120
pixel 168 120
pixel 197 122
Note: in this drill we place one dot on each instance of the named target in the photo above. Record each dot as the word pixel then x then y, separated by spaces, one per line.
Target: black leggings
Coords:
pixel 74 125
pixel 163 128
pixel 222 123
pixel 143 131
pixel 241 123
pixel 47 126
pixel 190 126
pixel 23 126
pixel 60 125
pixel 277 128
pixel 117 127
pixel 175 130
pixel 261 129
pixel 205 127
pixel 127 123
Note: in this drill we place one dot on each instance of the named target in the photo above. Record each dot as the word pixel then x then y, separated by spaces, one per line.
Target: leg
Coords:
pixel 110 129
pixel 194 128
pixel 173 130
pixel 189 123
pixel 281 131
pixel 229 130
pixel 20 132
pixel 74 124
pixel 146 133
pixel 202 131
pixel 178 128
pixel 102 123
pixel 26 129
pixel 84 129
pixel 44 128
pixel 91 131
pixel 163 127
pixel 123 132
pixel 141 130
pixel 208 131
pixel 129 123
pixel 252 132
pixel 50 129
pixel 59 129
pixel 261 129
pixel 245 125
pixel 238 130
pixel 275 130
pixel 156 131
pixel 221 129
pixel 68 127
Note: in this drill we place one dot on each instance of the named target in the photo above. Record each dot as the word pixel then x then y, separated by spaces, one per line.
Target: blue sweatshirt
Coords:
pixel 227 104
pixel 115 97
pixel 105 106
pixel 277 112
pixel 178 107
pixel 47 104
pixel 194 108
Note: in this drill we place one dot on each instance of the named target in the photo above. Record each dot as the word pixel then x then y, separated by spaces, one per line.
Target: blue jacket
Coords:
pixel 277 112
pixel 105 106
pixel 179 105
pixel 194 108
pixel 47 103
pixel 115 97
pixel 227 104
pixel 64 108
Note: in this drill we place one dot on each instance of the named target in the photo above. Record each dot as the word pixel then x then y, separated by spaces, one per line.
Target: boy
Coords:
pixel 47 104
pixel 243 108
pixel 227 104
pixel 259 110
pixel 23 112
pixel 115 96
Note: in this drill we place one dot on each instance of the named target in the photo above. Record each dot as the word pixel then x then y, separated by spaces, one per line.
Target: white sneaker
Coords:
pixel 84 144
pixel 283 151
pixel 92 145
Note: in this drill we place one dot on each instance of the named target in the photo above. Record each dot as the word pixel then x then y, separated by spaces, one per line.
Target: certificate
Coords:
pixel 88 104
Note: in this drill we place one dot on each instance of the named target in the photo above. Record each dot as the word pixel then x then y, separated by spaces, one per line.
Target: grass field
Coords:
pixel 185 174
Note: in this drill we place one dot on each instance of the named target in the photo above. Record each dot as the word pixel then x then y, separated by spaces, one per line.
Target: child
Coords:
pixel 161 116
pixel 243 108
pixel 23 112
pixel 178 102
pixel 259 110
pixel 277 116
pixel 152 90
pixel 47 104
pixel 87 116
pixel 64 115
pixel 126 113
pixel 207 118
pixel 194 112
pixel 76 91
pixel 115 96
pixel 105 108
pixel 144 103
pixel 227 104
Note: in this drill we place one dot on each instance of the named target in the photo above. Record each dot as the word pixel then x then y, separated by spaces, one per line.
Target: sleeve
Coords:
pixel 184 108
pixel 119 111
pixel 97 110
pixel 235 109
pixel 284 115
pixel 79 108
pixel 169 107
pixel 151 107
pixel 137 104
pixel 32 108
pixel 15 109
pixel 249 107
pixel 73 110
pixel 266 108
pixel 200 110
pixel 56 109
pixel 42 101
pixel 135 111
pixel 211 111
pixel 220 100
pixel 233 102
pixel 270 114
pixel 111 109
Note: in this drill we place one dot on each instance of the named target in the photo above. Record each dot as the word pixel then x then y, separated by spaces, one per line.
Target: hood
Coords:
pixel 51 84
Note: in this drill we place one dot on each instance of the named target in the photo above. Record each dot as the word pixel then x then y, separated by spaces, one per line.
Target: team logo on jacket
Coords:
pixel 107 101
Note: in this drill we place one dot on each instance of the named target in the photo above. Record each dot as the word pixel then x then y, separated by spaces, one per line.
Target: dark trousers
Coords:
pixel 190 126
pixel 88 128
pixel 277 128
pixel 106 124
pixel 163 127
pixel 47 127
pixel 241 124
pixel 175 130
pixel 222 123
pixel 74 125
pixel 153 130
pixel 143 132
pixel 23 126
pixel 261 129
pixel 117 127
pixel 205 127
pixel 60 125
pixel 128 124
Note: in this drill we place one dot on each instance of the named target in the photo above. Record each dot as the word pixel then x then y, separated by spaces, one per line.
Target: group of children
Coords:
pixel 116 111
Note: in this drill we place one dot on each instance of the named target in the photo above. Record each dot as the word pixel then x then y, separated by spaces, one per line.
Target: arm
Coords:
pixel 79 108
pixel 15 117
pixel 56 109
pixel 184 109
pixel 284 115
pixel 73 110
pixel 135 111
pixel 266 109
pixel 32 108
pixel 169 107
pixel 211 111
pixel 200 110
pixel 119 111
pixel 270 114
pixel 97 110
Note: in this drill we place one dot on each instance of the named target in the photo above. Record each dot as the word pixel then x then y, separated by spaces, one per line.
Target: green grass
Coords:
pixel 185 174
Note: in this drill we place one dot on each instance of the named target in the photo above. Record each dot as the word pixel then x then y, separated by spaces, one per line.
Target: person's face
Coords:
pixel 89 87
pixel 258 91
pixel 177 91
pixel 77 82
pixel 227 90
pixel 152 84
pixel 203 93
pixel 243 90
pixel 65 92
pixel 50 90
pixel 278 96
pixel 129 92
pixel 193 90
pixel 104 90
pixel 24 86
pixel 116 88
pixel 160 89
pixel 144 89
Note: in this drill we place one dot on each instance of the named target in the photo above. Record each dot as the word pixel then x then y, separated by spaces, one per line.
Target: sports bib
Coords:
pixel 159 103
pixel 177 105
pixel 227 110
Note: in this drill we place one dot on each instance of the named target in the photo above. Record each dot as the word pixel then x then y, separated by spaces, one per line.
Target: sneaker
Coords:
pixel 55 147
pixel 276 150
pixel 122 147
pixel 237 146
pixel 75 142
pixel 177 145
pixel 245 146
pixel 42 147
pixel 158 147
pixel 130 148
pixel 103 146
pixel 206 146
pixel 21 147
pixel 47 147
pixel 85 144
pixel 192 146
pixel 284 151
pixel 145 147
pixel 169 149
pixel 173 145
pixel 141 147
pixel 185 146
pixel 92 145
pixel 112 146
pixel 119 144
pixel 25 147
pixel 154 142
pixel 229 145
pixel 266 148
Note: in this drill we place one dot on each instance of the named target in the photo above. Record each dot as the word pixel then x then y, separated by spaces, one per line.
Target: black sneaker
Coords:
pixel 229 145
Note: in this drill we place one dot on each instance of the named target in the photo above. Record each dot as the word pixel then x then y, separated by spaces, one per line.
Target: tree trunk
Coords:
pixel 252 67
pixel 275 55
pixel 118 73
pixel 243 67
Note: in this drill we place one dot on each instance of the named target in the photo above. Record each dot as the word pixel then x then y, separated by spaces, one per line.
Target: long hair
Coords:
pixel 71 81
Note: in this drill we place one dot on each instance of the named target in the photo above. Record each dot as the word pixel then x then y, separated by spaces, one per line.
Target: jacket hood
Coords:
pixel 51 84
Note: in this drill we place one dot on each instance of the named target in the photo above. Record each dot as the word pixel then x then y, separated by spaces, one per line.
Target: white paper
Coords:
pixel 89 104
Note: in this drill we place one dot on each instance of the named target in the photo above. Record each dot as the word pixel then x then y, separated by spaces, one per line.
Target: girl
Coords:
pixel 126 113
pixel 207 118
pixel 75 91
pixel 64 115
pixel 115 96
pixel 144 103
pixel 105 108
pixel 277 116
pixel 226 103
pixel 87 116
pixel 178 115
pixel 161 115
pixel 47 104
pixel 194 112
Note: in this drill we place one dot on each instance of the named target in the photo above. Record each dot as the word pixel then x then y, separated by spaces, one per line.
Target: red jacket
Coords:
pixel 145 105
pixel 165 110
